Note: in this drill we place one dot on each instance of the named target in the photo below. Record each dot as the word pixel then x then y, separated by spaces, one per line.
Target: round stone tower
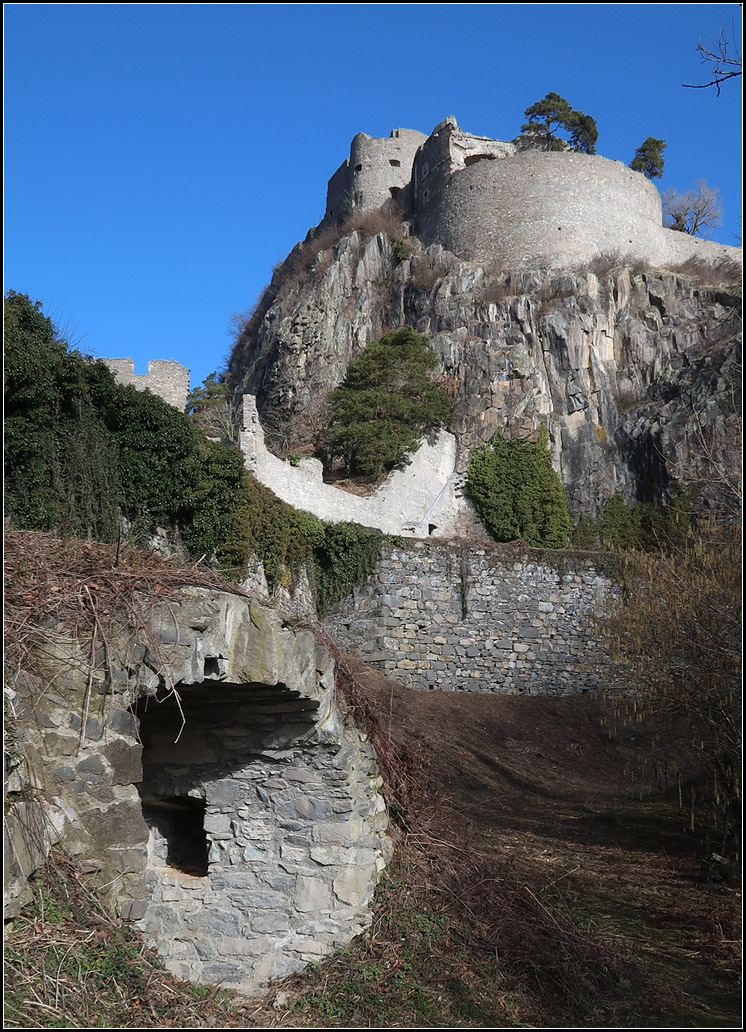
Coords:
pixel 378 169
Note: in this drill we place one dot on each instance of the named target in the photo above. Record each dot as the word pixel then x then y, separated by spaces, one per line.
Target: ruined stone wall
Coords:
pixel 485 619
pixel 169 380
pixel 211 780
pixel 292 824
pixel 378 167
pixel 421 499
pixel 510 203
pixel 560 208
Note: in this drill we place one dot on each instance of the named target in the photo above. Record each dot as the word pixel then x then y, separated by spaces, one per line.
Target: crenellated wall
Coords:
pixel 169 380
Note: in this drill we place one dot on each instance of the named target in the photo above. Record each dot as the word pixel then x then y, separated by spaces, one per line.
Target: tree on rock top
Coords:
pixel 385 404
pixel 695 211
pixel 649 159
pixel 548 116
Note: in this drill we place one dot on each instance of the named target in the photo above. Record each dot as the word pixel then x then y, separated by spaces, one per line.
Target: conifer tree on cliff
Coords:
pixel 648 158
pixel 554 113
pixel 385 404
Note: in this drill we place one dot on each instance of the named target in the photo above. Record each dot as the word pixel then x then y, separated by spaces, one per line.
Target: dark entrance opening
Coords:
pixel 180 821
pixel 431 528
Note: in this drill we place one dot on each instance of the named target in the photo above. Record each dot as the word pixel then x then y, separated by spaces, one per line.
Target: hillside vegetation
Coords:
pixel 550 863
pixel 87 457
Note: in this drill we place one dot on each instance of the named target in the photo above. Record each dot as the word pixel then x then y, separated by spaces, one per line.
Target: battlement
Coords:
pixel 511 202
pixel 169 380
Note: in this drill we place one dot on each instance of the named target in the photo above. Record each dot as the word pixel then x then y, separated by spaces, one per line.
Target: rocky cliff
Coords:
pixel 633 370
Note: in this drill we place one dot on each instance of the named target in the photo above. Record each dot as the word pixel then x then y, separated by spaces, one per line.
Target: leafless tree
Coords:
pixel 723 56
pixel 694 211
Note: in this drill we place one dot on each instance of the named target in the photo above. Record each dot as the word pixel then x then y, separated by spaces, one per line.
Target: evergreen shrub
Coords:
pixel 385 404
pixel 81 449
pixel 517 493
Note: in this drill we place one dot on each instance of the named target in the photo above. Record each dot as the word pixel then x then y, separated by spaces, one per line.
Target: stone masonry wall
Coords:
pixel 208 778
pixel 511 203
pixel 377 169
pixel 488 619
pixel 169 380
pixel 291 821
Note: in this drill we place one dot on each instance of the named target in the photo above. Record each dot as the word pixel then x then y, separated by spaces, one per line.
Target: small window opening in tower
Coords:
pixel 394 163
pixel 177 833
pixel 358 168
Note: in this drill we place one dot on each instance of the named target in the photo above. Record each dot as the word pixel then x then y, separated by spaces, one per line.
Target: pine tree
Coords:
pixel 385 404
pixel 554 113
pixel 648 158
pixel 545 116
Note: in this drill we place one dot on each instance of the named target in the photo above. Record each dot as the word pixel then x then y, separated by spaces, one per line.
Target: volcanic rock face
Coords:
pixel 632 370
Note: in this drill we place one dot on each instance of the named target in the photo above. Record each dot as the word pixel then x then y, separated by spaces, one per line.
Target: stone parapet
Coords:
pixel 169 380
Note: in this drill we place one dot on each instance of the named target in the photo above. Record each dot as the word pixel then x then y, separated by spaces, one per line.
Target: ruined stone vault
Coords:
pixel 218 789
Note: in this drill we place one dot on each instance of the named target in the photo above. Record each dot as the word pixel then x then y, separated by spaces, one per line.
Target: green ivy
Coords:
pixel 345 557
pixel 338 556
pixel 517 492
pixel 61 461
pixel 216 522
pixel 80 449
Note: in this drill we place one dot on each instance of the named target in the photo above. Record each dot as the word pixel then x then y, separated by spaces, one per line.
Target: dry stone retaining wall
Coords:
pixel 448 617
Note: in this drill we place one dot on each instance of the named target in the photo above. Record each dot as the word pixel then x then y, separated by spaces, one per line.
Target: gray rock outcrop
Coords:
pixel 634 371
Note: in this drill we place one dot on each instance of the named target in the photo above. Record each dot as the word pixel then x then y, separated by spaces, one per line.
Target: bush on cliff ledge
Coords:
pixel 517 492
pixel 386 403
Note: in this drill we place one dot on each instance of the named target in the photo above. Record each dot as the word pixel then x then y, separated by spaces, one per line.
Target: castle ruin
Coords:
pixel 169 380
pixel 510 202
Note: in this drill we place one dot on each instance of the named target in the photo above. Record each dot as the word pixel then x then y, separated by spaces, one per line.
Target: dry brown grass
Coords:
pixel 70 963
pixel 703 272
pixel 610 262
pixel 95 592
pixel 387 220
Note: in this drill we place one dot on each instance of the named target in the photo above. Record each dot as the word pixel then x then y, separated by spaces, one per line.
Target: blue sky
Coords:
pixel 161 159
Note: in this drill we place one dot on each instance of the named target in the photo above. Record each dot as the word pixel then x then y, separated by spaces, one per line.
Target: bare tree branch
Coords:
pixel 694 211
pixel 717 54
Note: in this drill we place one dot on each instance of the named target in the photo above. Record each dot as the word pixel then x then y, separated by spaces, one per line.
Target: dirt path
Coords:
pixel 595 806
